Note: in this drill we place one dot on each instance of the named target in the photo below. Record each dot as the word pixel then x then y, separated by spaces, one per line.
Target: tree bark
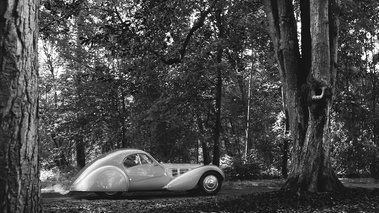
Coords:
pixel 19 166
pixel 308 81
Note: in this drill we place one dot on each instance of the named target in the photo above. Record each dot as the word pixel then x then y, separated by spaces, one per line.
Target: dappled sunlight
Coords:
pixel 54 181
pixel 253 184
pixel 56 188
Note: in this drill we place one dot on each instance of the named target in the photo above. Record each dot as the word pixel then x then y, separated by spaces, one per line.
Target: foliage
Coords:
pixel 355 118
pixel 121 87
pixel 143 74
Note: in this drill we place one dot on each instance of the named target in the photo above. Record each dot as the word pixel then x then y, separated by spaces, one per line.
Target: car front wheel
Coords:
pixel 210 183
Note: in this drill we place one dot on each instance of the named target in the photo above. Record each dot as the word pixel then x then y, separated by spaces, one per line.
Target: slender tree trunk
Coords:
pixel 123 118
pixel 80 152
pixel 308 81
pixel 81 120
pixel 374 167
pixel 204 147
pixel 286 140
pixel 206 158
pixel 217 132
pixel 247 130
pixel 50 63
pixel 19 166
pixel 285 158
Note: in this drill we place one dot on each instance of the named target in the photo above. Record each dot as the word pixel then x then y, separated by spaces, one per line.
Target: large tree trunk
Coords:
pixel 19 166
pixel 308 81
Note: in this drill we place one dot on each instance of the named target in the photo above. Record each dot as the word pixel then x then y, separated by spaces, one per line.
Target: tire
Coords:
pixel 210 183
pixel 109 194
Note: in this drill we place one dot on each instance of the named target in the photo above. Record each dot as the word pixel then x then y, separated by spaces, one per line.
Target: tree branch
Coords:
pixel 197 25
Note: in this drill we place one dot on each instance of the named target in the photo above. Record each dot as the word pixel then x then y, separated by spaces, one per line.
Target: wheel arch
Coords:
pixel 190 179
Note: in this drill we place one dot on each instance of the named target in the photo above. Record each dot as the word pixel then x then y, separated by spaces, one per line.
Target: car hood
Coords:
pixel 175 169
pixel 181 166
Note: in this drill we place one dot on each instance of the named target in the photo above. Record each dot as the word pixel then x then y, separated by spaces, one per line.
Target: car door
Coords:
pixel 144 173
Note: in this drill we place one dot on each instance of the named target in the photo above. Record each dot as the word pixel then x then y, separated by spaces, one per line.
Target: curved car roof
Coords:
pixel 107 158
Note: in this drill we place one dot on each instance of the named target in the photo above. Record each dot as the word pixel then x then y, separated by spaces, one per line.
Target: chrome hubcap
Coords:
pixel 210 183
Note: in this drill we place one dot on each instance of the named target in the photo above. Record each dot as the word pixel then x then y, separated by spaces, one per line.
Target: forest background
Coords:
pixel 188 85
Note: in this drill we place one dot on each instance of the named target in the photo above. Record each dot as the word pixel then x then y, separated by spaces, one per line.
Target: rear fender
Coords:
pixel 107 178
pixel 190 179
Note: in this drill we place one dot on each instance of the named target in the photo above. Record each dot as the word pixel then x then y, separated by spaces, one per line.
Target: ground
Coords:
pixel 361 195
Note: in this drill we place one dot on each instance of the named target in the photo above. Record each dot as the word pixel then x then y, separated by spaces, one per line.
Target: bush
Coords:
pixel 236 168
pixel 242 171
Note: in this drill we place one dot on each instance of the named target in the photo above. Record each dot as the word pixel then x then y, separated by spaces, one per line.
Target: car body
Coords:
pixel 129 170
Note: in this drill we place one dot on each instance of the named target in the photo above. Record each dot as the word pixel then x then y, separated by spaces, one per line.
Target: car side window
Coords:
pixel 132 160
pixel 145 159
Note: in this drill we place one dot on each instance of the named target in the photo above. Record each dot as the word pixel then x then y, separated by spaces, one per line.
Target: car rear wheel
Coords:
pixel 210 183
pixel 109 194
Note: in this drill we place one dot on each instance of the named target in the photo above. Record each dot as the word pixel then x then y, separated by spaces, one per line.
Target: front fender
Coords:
pixel 190 179
pixel 106 178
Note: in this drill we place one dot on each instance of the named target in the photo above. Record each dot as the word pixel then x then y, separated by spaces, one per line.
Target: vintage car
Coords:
pixel 130 170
